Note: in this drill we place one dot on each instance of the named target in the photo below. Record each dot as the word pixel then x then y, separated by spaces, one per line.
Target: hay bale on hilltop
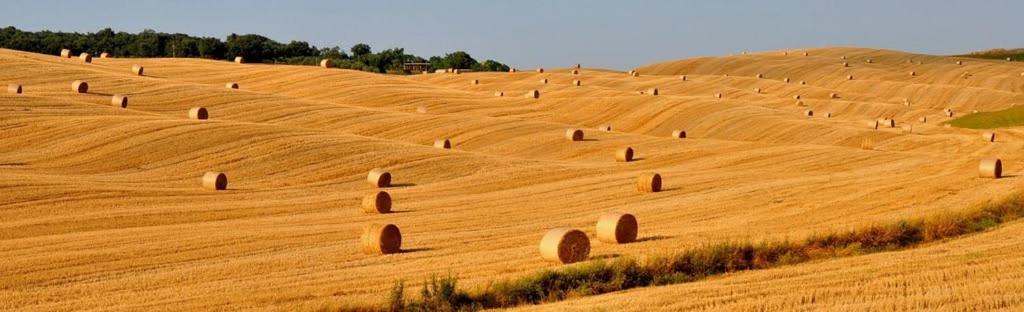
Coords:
pixel 578 66
pixel 80 86
pixel 624 154
pixel 381 239
pixel 65 53
pixel 137 70
pixel 474 82
pixel 544 81
pixel 533 94
pixel 565 245
pixel 14 88
pixel 215 181
pixel 377 202
pixel 239 60
pixel 805 54
pixel 540 70
pixel 991 168
pixel 231 85
pixel 616 228
pixel 119 100
pixel 85 57
pixel 575 72
pixel 989 136
pixel 378 178
pixel 574 134
pixel 679 134
pixel 104 55
pixel 198 113
pixel 635 74
pixel 648 183
pixel 605 127
pixel 443 143
pixel 326 63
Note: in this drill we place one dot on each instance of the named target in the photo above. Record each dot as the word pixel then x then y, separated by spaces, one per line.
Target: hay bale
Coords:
pixel 381 239
pixel 119 100
pixel 326 63
pixel 616 228
pixel 378 178
pixel 198 113
pixel 540 70
pixel 605 127
pixel 786 80
pixel 843 57
pixel 574 134
pixel 456 71
pixel 624 154
pixel 544 81
pixel 1008 59
pixel 833 95
pixel 231 85
pixel 652 91
pixel 949 113
pixel 828 115
pixel 421 109
pixel 757 90
pixel 870 61
pixel 873 124
pixel 805 54
pixel 800 103
pixel 575 72
pixel 803 82
pixel 906 102
pixel 759 76
pixel 907 129
pixel 80 86
pixel 137 70
pixel 239 60
pixel 809 113
pixel 377 202
pixel 215 181
pixel 991 168
pixel 576 83
pixel 849 77
pixel 635 74
pixel 565 245
pixel 959 62
pixel 683 77
pixel 796 97
pixel 104 55
pixel 499 93
pixel 846 64
pixel 913 73
pixel 513 69
pixel 889 123
pixel 648 183
pixel 443 143
pixel 65 53
pixel 718 95
pixel 533 94
pixel 85 57
pixel 989 136
pixel 578 66
pixel 440 71
pixel 474 82
pixel 923 119
pixel 14 88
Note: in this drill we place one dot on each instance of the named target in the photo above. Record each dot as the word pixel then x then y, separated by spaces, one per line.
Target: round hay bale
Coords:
pixel 421 109
pixel 14 88
pixel 805 53
pixel 443 143
pixel 573 134
pixel 575 72
pixel 578 66
pixel 759 76
pixel 923 119
pixel 85 57
pixel 653 91
pixel 624 154
pixel 757 90
pixel 959 62
pixel 989 136
pixel 379 178
pixel 991 168
pixel 137 70
pixel 913 73
pixel 215 181
pixel 1008 59
pixel 544 81
pixel 540 70
pixel 104 55
pixel 198 113
pixel 635 74
pixel 65 53
pixel 119 100
pixel 456 71
pixel 474 82
pixel 906 102
pixel 80 86
pixel 499 93
pixel 907 129
pixel 890 123
pixel 870 61
pixel 565 245
pixel 828 115
pixel 846 64
pixel 786 80
pixel 796 97
pixel 849 77
pixel 648 183
pixel 605 128
pixel 326 63
pixel 440 71
pixel 377 202
pixel 239 60
pixel 616 228
pixel 683 77
pixel 533 94
pixel 576 83
pixel 809 113
pixel 231 85
pixel 833 95
pixel 843 57
pixel 718 95
pixel 800 103
pixel 381 239
pixel 949 113
pixel 803 82
pixel 512 70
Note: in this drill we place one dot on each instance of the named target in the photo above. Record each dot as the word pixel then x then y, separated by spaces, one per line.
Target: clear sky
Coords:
pixel 529 33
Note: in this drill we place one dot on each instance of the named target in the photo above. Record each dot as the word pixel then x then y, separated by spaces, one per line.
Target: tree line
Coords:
pixel 254 48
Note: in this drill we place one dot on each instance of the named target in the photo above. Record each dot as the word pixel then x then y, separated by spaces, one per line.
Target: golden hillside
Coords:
pixel 103 209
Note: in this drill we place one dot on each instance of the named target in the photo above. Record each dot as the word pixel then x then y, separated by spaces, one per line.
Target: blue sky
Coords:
pixel 612 34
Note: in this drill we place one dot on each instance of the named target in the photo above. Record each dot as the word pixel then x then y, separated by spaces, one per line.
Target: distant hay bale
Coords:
pixel 65 53
pixel 80 86
pixel 198 113
pixel 759 76
pixel 85 57
pixel 381 239
pixel 574 134
pixel 533 94
pixel 377 202
pixel 843 57
pixel 913 73
pixel 326 63
pixel 578 66
pixel 828 115
pixel 378 178
pixel 718 95
pixel 544 81
pixel 575 72
pixel 648 183
pixel 679 134
pixel 989 136
pixel 800 103
pixel 959 62
pixel 540 70
pixel 576 82
pixel 499 93
pixel 890 123
pixel 923 119
pixel 456 71
pixel 683 77
pixel 870 61
pixel 565 245
pixel 849 77
pixel 906 102
pixel 616 228
pixel 624 154
pixel 215 181
pixel 443 143
pixel 1008 59
pixel 474 82
pixel 421 109
pixel 757 90
pixel 119 100
pixel 231 85
pixel 652 91
pixel 796 97
pixel 137 70
pixel 513 69
pixel 907 129
pixel 833 95
pixel 784 53
pixel 239 60
pixel 635 74
pixel 803 82
pixel 949 113
pixel 846 64
pixel 991 168
pixel 809 113
pixel 805 54
pixel 605 127
pixel 440 71
pixel 786 80
pixel 14 88
pixel 104 55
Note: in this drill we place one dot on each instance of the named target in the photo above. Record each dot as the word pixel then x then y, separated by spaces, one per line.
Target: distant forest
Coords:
pixel 254 48
pixel 1016 55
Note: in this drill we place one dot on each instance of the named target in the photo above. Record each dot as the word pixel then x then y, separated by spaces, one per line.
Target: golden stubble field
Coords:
pixel 102 208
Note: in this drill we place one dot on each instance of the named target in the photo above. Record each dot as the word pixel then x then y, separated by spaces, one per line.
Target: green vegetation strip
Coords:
pixel 599 276
pixel 1010 117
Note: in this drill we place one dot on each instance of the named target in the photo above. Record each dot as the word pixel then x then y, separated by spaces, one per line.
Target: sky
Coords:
pixel 550 33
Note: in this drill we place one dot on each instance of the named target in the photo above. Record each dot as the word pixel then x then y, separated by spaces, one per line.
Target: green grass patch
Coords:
pixel 1010 117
